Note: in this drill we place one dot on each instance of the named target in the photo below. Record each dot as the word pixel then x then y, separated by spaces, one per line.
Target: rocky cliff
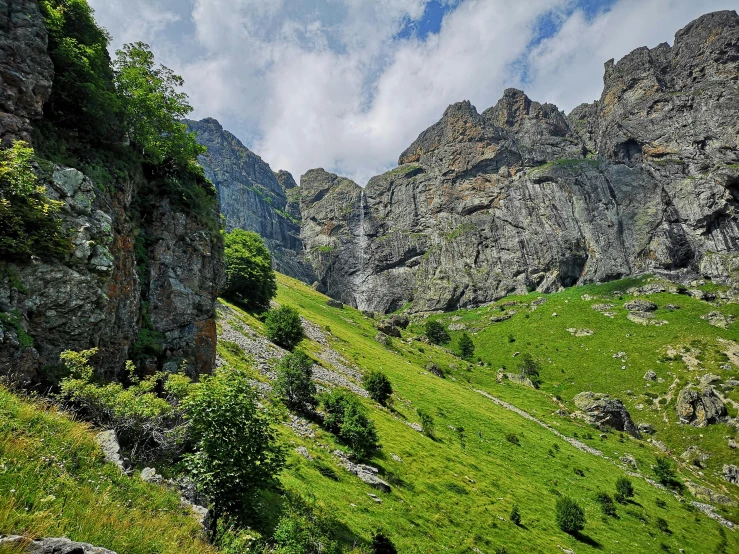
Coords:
pixel 254 198
pixel 522 197
pixel 143 273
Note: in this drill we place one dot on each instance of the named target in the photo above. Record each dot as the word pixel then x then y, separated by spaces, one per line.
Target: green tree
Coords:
pixel 236 451
pixel 294 384
pixel 515 515
pixel 427 422
pixel 378 386
pixel 283 327
pixel 153 107
pixel 249 275
pixel 570 516
pixel 624 489
pixel 529 368
pixel 346 417
pixel 466 347
pixel 665 472
pixel 436 333
pixel 606 504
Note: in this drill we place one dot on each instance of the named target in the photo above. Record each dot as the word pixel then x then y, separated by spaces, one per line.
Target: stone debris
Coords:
pixel 303 451
pixel 580 332
pixel 717 319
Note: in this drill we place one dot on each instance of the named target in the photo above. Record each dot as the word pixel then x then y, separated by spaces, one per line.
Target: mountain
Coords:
pixel 254 198
pixel 522 197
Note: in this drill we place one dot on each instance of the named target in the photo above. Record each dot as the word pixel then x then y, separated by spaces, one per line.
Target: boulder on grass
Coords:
pixel 699 406
pixel 605 412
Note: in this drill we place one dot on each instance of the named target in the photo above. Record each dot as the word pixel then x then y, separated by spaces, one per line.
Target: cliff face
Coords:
pixel 254 198
pixel 143 275
pixel 522 197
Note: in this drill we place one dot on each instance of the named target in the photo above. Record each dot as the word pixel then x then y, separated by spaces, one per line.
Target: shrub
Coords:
pixel 29 225
pixel 304 529
pixel 660 503
pixel 466 347
pixel 662 525
pixel 378 386
pixel 249 275
pixel 665 473
pixel 530 368
pixel 427 422
pixel 347 419
pixel 512 438
pixel 294 384
pixel 606 503
pixel 570 516
pixel 624 489
pixel 236 450
pixel 436 333
pixel 283 327
pixel 515 515
pixel 382 544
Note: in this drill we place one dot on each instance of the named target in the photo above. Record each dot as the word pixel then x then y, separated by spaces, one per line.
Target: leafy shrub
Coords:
pixel 624 489
pixel 515 515
pixel 570 517
pixel 466 347
pixel 294 384
pixel 249 275
pixel 607 505
pixel 427 422
pixel 283 327
pixel 236 450
pixel 436 333
pixel 303 528
pixel 378 386
pixel 579 472
pixel 347 419
pixel 382 544
pixel 662 525
pixel 512 438
pixel 29 225
pixel 530 368
pixel 660 503
pixel 665 473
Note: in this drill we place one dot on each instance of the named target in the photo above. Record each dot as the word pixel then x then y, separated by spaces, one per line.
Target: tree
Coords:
pixel 294 384
pixel 153 107
pixel 665 473
pixel 466 347
pixel 529 369
pixel 347 418
pixel 606 504
pixel 515 515
pixel 283 327
pixel 570 516
pixel 236 452
pixel 249 275
pixel 427 422
pixel 436 333
pixel 624 489
pixel 378 386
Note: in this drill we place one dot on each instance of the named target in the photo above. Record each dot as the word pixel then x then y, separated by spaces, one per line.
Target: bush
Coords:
pixel 662 525
pixel 570 516
pixel 624 489
pixel 29 225
pixel 294 384
pixel 236 450
pixel 304 529
pixel 436 333
pixel 512 438
pixel 427 422
pixel 515 515
pixel 249 275
pixel 346 417
pixel 665 473
pixel 378 386
pixel 466 347
pixel 382 544
pixel 530 368
pixel 283 327
pixel 606 503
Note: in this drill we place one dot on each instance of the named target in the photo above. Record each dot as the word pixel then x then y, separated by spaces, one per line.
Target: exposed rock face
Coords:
pixel 254 198
pixel 522 197
pixel 604 411
pixel 26 71
pixel 49 546
pixel 699 406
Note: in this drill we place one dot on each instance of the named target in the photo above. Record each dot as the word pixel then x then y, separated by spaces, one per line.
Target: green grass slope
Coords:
pixel 456 496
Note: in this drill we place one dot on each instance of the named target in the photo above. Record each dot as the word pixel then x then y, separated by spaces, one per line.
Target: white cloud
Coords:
pixel 327 83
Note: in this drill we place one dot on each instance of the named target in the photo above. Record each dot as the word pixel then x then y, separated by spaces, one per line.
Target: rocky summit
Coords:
pixel 522 197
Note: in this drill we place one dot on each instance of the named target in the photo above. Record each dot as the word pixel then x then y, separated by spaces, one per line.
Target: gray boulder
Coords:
pixel 640 305
pixel 730 472
pixel 606 412
pixel 650 376
pixel 108 442
pixel 14 543
pixel 699 406
pixel 331 303
pixel 388 328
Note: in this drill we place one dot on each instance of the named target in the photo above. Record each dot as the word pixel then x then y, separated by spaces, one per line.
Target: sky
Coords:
pixel 347 85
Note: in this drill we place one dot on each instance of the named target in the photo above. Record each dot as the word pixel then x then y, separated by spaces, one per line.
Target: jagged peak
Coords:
pixel 286 179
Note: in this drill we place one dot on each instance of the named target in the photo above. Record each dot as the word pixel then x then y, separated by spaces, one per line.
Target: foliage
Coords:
pixel 153 108
pixel 515 515
pixel 512 438
pixel 304 529
pixel 466 347
pixel 382 544
pixel 436 332
pixel 378 386
pixel 283 327
pixel 570 516
pixel 148 423
pixel 346 417
pixel 606 503
pixel 294 384
pixel 665 472
pixel 624 489
pixel 530 368
pixel 249 275
pixel 427 422
pixel 29 225
pixel 236 450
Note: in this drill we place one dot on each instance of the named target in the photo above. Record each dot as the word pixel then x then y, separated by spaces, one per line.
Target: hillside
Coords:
pixel 456 495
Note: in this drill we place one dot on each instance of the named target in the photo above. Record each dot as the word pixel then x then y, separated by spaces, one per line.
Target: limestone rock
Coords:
pixel 708 495
pixel 150 475
pixel 388 328
pixel 650 375
pixel 331 303
pixel 108 442
pixel 603 411
pixel 640 305
pixel 14 543
pixel 434 369
pixel 730 472
pixel 717 319
pixel 699 406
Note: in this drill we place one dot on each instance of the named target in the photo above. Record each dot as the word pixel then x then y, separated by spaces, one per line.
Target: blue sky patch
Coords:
pixel 430 23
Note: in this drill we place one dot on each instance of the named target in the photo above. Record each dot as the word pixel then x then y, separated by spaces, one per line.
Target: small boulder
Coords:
pixel 646 428
pixel 695 456
pixel 331 303
pixel 303 451
pixel 19 544
pixel 388 328
pixel 401 321
pixel 606 412
pixel 730 472
pixel 150 475
pixel 640 305
pixel 383 339
pixel 708 495
pixel 629 460
pixel 108 442
pixel 717 319
pixel 699 406
pixel 434 369
pixel 650 376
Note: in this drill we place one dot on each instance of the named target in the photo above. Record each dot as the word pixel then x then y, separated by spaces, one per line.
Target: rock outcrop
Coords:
pixel 605 412
pixel 699 406
pixel 254 198
pixel 15 543
pixel 521 197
